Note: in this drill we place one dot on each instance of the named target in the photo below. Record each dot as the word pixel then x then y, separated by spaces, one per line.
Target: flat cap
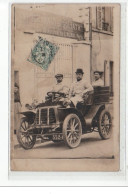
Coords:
pixel 100 72
pixel 58 75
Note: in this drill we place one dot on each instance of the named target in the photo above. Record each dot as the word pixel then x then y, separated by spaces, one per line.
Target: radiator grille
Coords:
pixel 37 117
pixel 43 116
pixel 52 118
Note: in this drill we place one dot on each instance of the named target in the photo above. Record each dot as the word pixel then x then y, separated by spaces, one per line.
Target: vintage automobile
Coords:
pixel 57 120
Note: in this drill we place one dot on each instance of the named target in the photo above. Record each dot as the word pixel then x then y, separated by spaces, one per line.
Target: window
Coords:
pixel 104 18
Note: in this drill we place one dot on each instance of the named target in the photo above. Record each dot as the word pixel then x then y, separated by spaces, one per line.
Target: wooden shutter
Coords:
pixel 111 19
pixel 99 17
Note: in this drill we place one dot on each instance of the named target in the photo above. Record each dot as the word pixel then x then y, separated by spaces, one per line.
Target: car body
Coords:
pixel 57 120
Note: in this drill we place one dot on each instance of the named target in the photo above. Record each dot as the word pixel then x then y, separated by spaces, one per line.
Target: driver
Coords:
pixel 59 86
pixel 79 88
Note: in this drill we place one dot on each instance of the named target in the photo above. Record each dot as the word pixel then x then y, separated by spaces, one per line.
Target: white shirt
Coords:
pixel 98 82
pixel 60 87
pixel 80 87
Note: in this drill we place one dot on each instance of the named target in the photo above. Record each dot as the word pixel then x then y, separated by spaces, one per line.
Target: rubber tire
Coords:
pixel 70 116
pixel 19 137
pixel 99 125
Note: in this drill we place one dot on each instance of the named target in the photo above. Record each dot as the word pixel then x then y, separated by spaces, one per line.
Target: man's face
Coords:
pixel 79 76
pixel 97 76
pixel 59 79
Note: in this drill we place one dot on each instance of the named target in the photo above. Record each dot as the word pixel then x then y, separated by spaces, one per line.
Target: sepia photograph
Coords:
pixel 65 83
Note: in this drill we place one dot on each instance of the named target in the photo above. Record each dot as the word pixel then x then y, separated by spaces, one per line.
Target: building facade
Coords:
pixel 83 35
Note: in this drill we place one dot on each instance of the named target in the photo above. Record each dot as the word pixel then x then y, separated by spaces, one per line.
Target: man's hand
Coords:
pixel 85 95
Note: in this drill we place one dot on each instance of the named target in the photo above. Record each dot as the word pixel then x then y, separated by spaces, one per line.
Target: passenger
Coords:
pixel 79 88
pixel 98 81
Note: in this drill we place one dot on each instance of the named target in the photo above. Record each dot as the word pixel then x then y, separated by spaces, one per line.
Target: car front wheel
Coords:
pixel 72 131
pixel 25 139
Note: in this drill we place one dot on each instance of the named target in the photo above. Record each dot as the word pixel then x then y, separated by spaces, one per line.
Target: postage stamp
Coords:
pixel 43 53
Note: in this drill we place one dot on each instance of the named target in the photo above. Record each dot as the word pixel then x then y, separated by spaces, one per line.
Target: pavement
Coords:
pixel 91 147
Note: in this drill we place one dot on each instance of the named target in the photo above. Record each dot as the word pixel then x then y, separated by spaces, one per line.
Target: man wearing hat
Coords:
pixel 79 88
pixel 98 81
pixel 59 86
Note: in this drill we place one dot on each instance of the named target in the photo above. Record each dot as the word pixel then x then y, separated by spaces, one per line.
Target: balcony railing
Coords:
pixel 105 26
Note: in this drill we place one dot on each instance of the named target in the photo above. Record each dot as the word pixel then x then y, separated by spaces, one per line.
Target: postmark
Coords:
pixel 43 53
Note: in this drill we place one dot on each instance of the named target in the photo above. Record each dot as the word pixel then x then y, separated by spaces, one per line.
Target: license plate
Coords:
pixel 57 137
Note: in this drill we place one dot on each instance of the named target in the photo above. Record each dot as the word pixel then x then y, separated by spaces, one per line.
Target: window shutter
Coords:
pixel 111 19
pixel 99 18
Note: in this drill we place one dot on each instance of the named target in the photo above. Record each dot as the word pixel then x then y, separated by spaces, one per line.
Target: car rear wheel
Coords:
pixel 72 131
pixel 105 124
pixel 25 139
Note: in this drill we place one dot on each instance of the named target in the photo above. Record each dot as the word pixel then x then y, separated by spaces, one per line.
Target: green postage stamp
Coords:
pixel 43 53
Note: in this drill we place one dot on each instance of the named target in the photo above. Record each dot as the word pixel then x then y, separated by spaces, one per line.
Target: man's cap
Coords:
pixel 79 71
pixel 58 75
pixel 100 72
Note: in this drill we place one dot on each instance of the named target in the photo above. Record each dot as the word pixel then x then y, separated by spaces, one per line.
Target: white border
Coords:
pixel 57 178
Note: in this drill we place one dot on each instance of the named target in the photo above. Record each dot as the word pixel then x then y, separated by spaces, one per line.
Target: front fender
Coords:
pixel 30 116
pixel 63 112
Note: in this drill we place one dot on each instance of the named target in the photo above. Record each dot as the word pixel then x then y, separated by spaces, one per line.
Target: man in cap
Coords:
pixel 79 88
pixel 59 86
pixel 98 81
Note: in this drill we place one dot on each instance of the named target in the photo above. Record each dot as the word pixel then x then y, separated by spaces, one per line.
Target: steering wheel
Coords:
pixel 54 94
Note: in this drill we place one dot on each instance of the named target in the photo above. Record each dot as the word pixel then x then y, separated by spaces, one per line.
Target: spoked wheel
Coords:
pixel 25 139
pixel 105 125
pixel 72 130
